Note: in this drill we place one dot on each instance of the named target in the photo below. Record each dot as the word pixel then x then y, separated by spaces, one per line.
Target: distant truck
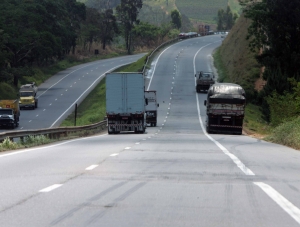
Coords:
pixel 204 81
pixel 28 97
pixel 151 108
pixel 125 102
pixel 9 113
pixel 225 108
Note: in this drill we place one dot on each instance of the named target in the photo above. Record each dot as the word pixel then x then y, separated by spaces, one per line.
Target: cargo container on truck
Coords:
pixel 225 108
pixel 9 113
pixel 151 108
pixel 125 102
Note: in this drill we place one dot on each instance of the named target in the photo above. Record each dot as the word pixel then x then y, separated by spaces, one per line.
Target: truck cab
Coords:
pixel 204 81
pixel 27 95
pixel 151 108
pixel 9 113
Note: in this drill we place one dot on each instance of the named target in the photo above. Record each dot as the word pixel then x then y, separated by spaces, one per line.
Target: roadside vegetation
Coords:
pixel 270 76
pixel 29 141
pixel 30 52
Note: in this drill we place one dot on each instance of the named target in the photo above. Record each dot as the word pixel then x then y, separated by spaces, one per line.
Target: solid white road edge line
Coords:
pixel 41 148
pixel 48 189
pixel 91 167
pixel 286 205
pixel 239 164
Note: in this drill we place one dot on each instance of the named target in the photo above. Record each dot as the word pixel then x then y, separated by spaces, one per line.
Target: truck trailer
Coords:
pixel 125 102
pixel 9 113
pixel 28 97
pixel 151 108
pixel 225 108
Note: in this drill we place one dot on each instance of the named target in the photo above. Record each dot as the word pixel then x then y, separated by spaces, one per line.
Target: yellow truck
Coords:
pixel 9 113
pixel 28 97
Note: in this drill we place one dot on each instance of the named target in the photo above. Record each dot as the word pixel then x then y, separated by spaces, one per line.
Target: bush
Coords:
pixel 36 140
pixel 7 144
pixel 282 107
pixel 287 134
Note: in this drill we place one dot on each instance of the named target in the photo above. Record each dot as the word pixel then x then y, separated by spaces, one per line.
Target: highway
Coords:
pixel 58 95
pixel 173 175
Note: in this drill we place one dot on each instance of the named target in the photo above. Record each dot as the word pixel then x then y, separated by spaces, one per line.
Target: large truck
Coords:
pixel 9 113
pixel 151 108
pixel 125 102
pixel 28 97
pixel 225 108
pixel 204 81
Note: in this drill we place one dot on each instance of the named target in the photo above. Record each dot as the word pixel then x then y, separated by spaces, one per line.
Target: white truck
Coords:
pixel 151 108
pixel 125 102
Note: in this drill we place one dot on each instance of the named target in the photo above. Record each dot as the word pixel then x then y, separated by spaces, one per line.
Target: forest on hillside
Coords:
pixel 272 30
pixel 38 33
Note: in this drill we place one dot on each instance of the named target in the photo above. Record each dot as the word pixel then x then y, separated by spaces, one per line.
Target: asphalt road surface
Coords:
pixel 174 175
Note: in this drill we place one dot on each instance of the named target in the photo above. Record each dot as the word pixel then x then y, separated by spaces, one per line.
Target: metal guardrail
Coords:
pixel 53 133
pixel 156 49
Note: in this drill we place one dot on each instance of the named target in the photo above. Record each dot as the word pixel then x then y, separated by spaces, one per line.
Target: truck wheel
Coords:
pixel 36 104
pixel 208 129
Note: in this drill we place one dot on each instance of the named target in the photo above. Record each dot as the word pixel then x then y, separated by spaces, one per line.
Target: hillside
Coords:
pixel 241 66
pixel 196 10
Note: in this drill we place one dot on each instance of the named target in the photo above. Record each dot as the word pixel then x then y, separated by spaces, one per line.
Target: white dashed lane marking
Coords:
pixel 51 188
pixel 112 155
pixel 91 167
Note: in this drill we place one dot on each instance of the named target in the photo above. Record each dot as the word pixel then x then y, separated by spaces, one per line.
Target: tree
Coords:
pixel 109 27
pixel 37 30
pixel 225 19
pixel 90 28
pixel 275 30
pixel 176 18
pixel 146 33
pixel 127 13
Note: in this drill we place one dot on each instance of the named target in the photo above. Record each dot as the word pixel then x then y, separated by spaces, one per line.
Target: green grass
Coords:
pixel 29 141
pixel 287 134
pixel 134 67
pixel 91 110
pixel 93 107
pixel 253 121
